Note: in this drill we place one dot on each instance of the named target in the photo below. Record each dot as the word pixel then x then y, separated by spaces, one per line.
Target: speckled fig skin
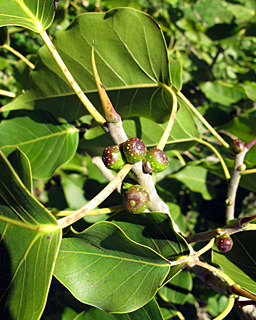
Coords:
pixel 224 243
pixel 113 158
pixel 134 150
pixel 237 145
pixel 156 160
pixel 136 199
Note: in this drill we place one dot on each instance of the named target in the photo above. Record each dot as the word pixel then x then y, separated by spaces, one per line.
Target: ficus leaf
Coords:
pixel 34 15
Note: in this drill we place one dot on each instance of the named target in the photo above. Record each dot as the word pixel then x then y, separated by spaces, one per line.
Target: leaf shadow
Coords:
pixel 5 280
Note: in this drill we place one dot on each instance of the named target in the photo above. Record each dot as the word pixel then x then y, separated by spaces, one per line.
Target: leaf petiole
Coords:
pixel 202 119
pixel 101 196
pixel 222 162
pixel 162 142
pixel 86 102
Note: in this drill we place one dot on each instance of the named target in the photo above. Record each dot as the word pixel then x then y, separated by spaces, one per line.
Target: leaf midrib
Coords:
pixel 36 22
pixel 117 258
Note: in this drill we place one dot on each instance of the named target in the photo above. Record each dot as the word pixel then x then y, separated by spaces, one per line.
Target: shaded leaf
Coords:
pixel 34 15
pixel 247 181
pixel 249 88
pixel 104 268
pixel 196 179
pixel 222 93
pixel 29 246
pixel 20 164
pixel 46 143
pixel 240 262
pixel 4 36
pixel 149 311
pixel 176 73
pixel 176 291
pixel 244 128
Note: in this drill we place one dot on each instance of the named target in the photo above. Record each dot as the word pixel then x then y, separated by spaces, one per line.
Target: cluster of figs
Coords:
pixel 133 150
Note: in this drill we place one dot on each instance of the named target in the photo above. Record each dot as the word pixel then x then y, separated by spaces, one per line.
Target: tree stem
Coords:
pixel 233 184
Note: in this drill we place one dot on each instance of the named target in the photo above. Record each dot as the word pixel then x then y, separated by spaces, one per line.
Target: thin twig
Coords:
pixel 233 184
pixel 19 55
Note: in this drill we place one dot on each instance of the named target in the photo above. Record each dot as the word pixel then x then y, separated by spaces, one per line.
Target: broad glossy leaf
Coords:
pixel 102 267
pixel 149 311
pixel 240 262
pixel 154 230
pixel 222 93
pixel 46 143
pixel 183 135
pixel 34 15
pixel 29 247
pixel 131 58
pixel 197 180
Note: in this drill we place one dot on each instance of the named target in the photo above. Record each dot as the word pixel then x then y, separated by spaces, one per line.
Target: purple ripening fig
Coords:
pixel 156 160
pixel 136 199
pixel 113 158
pixel 224 243
pixel 134 150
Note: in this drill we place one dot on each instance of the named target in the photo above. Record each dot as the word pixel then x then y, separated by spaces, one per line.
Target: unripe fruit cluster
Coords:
pixel 132 151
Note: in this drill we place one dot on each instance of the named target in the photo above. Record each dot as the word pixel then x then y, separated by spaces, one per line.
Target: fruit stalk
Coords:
pixel 110 113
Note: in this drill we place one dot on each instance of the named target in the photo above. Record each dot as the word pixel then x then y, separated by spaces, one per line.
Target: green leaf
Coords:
pixel 247 181
pixel 249 88
pixel 20 164
pixel 176 290
pixel 73 187
pixel 240 262
pixel 222 93
pixel 211 13
pixel 29 243
pixel 46 143
pixel 176 73
pixel 197 180
pixel 154 230
pixel 244 128
pixel 183 135
pixel 104 268
pixel 241 13
pixel 149 311
pixel 130 64
pixel 34 15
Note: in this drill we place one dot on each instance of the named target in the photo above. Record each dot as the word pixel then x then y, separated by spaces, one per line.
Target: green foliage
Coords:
pixel 111 263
